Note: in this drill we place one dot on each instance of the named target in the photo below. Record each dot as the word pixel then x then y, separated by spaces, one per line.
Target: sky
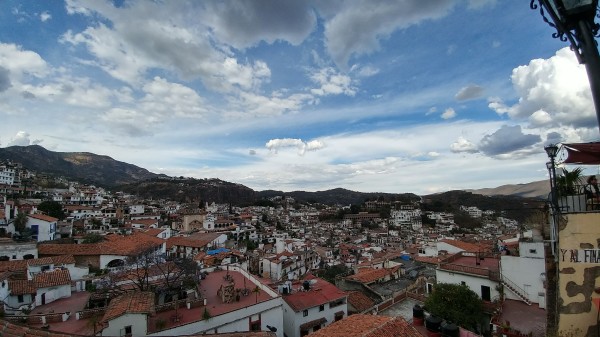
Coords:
pixel 405 96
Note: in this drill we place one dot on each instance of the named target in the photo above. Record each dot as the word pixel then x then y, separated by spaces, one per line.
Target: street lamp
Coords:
pixel 552 151
pixel 574 22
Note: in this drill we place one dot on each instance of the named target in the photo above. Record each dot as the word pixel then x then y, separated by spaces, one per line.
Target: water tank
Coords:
pixel 418 315
pixel 306 285
pixel 449 330
pixel 418 311
pixel 432 323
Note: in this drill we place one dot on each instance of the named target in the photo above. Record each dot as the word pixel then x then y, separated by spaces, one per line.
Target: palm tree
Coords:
pixel 568 182
pixel 20 222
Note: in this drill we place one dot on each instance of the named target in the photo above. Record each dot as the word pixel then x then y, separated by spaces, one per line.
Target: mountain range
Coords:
pixel 106 172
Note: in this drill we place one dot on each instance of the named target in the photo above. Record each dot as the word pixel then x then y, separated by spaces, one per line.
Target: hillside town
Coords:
pixel 80 260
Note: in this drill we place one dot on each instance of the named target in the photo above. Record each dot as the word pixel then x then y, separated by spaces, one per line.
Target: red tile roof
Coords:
pixel 21 287
pixel 368 326
pixel 21 265
pixel 15 330
pixel 58 277
pixel 320 292
pixel 466 246
pixel 370 275
pixel 127 245
pixel 43 217
pixel 360 301
pixel 138 302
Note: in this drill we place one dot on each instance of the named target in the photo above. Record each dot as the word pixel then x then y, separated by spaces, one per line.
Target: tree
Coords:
pixel 456 303
pixel 93 238
pixel 20 221
pixel 52 208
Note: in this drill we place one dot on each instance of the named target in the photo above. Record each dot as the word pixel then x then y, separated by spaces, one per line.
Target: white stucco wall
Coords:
pixel 137 322
pixel 530 281
pixel 105 259
pixel 292 320
pixel 16 251
pixel 473 282
pixel 53 293
pixel 271 313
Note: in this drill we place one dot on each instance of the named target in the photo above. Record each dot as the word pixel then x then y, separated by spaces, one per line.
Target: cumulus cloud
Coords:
pixel 463 145
pixel 303 147
pixel 507 139
pixel 356 29
pixel 553 92
pixel 21 62
pixel 469 92
pixel 22 138
pixel 332 83
pixel 448 114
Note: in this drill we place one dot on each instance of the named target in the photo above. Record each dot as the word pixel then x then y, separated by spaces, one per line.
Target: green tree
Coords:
pixel 20 221
pixel 456 303
pixel 52 208
pixel 93 238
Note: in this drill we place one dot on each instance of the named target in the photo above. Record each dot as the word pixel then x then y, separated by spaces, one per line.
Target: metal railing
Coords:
pixel 576 200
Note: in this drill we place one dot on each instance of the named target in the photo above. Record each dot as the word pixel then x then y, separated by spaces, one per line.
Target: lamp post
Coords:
pixel 552 151
pixel 574 22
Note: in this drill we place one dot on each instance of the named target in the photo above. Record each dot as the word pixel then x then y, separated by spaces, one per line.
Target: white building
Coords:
pixel 525 286
pixel 43 227
pixel 311 305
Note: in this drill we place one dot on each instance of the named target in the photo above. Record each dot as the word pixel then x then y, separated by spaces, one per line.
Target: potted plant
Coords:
pixel 570 196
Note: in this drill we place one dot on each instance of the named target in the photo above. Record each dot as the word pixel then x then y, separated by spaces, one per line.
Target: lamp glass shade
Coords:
pixel 576 5
pixel 576 9
pixel 551 150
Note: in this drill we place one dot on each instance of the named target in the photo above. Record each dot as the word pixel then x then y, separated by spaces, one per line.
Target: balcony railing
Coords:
pixel 576 201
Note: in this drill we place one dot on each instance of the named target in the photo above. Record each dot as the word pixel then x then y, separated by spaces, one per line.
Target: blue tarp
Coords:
pixel 217 251
pixel 405 257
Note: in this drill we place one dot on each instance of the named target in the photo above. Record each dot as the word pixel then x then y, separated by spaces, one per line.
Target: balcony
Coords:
pixel 576 202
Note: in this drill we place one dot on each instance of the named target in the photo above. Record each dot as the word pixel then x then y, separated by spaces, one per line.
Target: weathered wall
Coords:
pixel 578 274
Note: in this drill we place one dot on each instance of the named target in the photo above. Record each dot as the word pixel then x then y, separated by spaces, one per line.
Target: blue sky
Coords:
pixel 398 96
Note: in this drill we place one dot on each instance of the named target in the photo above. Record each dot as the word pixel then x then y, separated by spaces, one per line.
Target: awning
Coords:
pixel 311 324
pixel 582 153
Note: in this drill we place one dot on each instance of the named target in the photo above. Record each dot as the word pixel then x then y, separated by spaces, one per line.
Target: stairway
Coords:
pixel 515 289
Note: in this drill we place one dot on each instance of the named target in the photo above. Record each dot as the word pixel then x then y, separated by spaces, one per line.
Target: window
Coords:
pixel 532 251
pixel 305 313
pixel 463 283
pixel 321 307
pixel 20 298
pixel 127 330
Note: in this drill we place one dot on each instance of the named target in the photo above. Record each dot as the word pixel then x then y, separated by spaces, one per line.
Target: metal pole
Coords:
pixel 592 61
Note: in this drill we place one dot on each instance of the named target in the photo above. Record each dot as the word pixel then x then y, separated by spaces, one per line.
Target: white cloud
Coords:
pixel 448 114
pixel 45 16
pixel 332 83
pixel 276 144
pixel 553 92
pixel 463 145
pixel 22 138
pixel 170 100
pixel 21 62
